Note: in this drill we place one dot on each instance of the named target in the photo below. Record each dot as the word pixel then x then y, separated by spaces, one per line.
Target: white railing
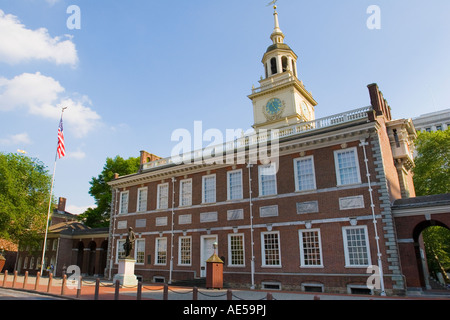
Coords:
pixel 263 136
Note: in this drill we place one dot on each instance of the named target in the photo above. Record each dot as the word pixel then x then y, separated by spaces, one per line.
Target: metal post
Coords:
pixel 50 280
pixel 116 292
pixel 139 291
pixel 14 279
pixel 25 279
pixel 36 285
pixel 166 292
pixel 80 282
pixel 229 294
pixel 63 286
pixel 97 288
pixel 5 278
pixel 195 294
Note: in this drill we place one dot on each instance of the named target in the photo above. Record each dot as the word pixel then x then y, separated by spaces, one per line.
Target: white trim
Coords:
pixel 228 185
pixel 347 258
pixel 263 251
pixel 336 164
pixel 156 251
pixel 138 199
pixel 120 201
pixel 297 189
pixel 302 258
pixel 158 195
pixel 203 188
pixel 179 251
pixel 260 189
pixel 229 264
pixel 182 182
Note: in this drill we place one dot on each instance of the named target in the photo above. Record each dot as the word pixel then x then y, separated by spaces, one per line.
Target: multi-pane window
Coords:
pixel 163 196
pixel 236 249
pixel 123 206
pixel 271 249
pixel 209 189
pixel 139 252
pixel 235 185
pixel 267 180
pixel 304 174
pixel 186 192
pixel 142 200
pixel 185 251
pixel 310 248
pixel 161 251
pixel 347 168
pixel 120 250
pixel 356 246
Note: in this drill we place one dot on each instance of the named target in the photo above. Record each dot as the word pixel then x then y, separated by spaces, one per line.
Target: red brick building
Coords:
pixel 314 219
pixel 69 242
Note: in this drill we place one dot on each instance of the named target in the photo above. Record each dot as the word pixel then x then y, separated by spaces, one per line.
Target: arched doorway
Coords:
pixel 92 252
pixel 432 252
pixel 80 254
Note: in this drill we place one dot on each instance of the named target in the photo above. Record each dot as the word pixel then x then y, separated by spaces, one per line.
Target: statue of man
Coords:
pixel 129 243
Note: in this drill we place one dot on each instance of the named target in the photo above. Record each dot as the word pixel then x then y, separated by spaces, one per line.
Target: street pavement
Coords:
pixel 107 291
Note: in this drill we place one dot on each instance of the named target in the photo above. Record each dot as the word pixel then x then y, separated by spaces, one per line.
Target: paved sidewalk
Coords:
pixel 107 291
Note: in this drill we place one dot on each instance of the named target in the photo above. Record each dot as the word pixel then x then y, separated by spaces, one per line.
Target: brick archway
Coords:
pixel 412 216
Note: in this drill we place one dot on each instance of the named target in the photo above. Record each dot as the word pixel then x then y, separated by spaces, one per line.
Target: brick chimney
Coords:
pixel 62 204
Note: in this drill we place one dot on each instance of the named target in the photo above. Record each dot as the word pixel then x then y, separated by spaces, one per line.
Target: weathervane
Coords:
pixel 273 3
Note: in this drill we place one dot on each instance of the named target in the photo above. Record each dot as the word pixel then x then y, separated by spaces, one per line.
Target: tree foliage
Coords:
pixel 432 171
pixel 100 190
pixel 24 194
pixel 432 176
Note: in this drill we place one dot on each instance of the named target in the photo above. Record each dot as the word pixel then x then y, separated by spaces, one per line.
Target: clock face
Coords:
pixel 305 109
pixel 274 106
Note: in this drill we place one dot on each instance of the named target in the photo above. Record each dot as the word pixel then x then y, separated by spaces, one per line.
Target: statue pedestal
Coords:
pixel 126 273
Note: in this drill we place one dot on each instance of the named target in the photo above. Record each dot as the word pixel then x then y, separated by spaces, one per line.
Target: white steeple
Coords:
pixel 277 35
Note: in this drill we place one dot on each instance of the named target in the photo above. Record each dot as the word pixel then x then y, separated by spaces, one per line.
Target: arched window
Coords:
pixel 273 65
pixel 284 63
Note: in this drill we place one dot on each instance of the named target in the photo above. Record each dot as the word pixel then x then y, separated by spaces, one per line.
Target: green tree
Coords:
pixel 432 171
pixel 437 247
pixel 99 217
pixel 24 194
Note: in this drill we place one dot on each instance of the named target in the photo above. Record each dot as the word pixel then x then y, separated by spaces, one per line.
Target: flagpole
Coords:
pixel 50 204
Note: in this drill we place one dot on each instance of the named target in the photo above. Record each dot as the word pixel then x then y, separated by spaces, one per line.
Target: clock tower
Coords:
pixel 281 99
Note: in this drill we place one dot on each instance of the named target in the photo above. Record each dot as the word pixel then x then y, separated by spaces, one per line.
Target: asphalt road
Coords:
pixel 6 294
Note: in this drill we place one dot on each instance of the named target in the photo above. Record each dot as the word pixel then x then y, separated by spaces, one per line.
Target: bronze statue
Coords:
pixel 129 243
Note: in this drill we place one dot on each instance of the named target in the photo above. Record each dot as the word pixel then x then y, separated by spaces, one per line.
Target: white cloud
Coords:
pixel 77 155
pixel 78 209
pixel 52 2
pixel 19 44
pixel 43 96
pixel 16 139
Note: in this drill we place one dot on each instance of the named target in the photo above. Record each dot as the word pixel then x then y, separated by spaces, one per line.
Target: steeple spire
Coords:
pixel 277 35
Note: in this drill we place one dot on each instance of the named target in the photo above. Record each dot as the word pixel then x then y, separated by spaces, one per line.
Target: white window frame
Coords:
pixel 189 203
pixel 260 182
pixel 157 241
pixel 180 247
pixel 347 257
pixel 123 193
pixel 204 190
pixel 120 249
pixel 296 178
pixel 230 251
pixel 336 163
pixel 161 196
pixel 263 251
pixel 139 260
pixel 138 204
pixel 302 256
pixel 241 195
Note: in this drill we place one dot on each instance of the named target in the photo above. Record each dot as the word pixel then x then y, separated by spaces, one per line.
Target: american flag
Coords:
pixel 61 150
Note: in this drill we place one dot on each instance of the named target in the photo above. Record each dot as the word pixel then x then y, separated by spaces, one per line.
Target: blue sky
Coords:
pixel 138 70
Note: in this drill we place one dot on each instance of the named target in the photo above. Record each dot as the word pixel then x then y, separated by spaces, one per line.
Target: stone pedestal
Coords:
pixel 126 273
